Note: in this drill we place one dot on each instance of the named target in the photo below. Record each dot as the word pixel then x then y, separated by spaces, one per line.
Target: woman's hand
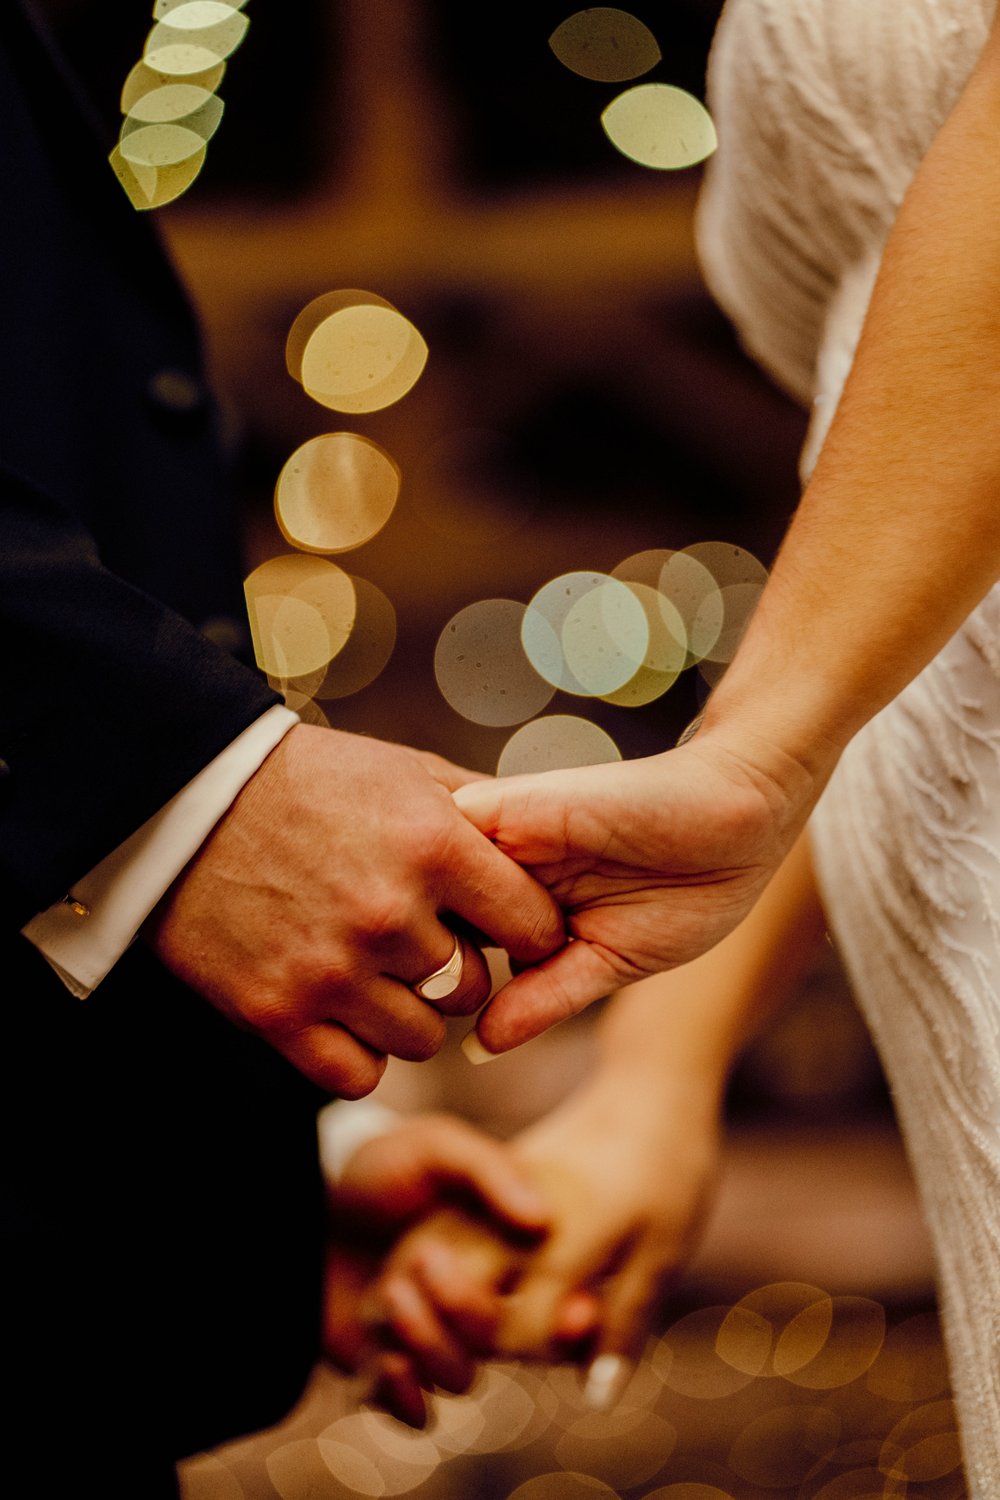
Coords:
pixel 626 1174
pixel 389 1183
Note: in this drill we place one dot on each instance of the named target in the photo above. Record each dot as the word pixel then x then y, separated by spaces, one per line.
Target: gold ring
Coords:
pixel 444 981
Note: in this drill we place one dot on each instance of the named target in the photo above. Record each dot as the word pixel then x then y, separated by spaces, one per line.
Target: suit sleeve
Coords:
pixel 111 702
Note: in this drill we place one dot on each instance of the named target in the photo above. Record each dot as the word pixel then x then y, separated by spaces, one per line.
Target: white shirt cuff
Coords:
pixel 84 935
pixel 345 1126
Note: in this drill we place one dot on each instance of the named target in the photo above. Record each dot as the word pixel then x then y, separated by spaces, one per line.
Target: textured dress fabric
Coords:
pixel 825 109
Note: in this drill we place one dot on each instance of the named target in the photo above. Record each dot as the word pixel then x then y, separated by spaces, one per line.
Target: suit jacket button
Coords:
pixel 175 391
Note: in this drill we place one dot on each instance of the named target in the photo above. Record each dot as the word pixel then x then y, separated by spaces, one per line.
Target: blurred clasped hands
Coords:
pixel 338 881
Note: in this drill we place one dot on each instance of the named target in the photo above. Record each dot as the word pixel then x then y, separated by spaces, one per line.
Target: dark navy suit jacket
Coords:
pixel 159 1205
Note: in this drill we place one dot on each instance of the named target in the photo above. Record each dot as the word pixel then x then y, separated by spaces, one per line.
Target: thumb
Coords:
pixel 541 996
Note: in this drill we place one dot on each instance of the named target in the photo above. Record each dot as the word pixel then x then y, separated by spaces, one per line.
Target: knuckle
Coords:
pixel 421 1045
pixel 352 1080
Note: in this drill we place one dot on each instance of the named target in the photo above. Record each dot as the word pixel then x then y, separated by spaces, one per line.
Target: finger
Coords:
pixel 435 1351
pixel 346 1334
pixel 517 812
pixel 578 1318
pixel 630 1299
pixel 396 1389
pixel 542 996
pixel 420 967
pixel 334 1059
pixel 468 1158
pixel 471 1308
pixel 495 896
pixel 386 1016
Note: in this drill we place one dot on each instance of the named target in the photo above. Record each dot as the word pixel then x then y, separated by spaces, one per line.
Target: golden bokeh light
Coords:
pixel 163 8
pixel 402 1458
pixel 563 1486
pixel 362 358
pixel 456 1424
pixel 693 590
pixel 205 1478
pixel 783 1446
pixel 622 1448
pixel 508 1411
pixel 665 656
pixel 831 1343
pixel 152 187
pixel 605 44
pixel 198 35
pixel 776 1305
pixel 297 1471
pixel 301 610
pixel 911 1365
pixel 187 104
pixel 739 600
pixel 143 80
pixel 481 669
pixel 316 312
pixel 306 707
pixel 686 1490
pixel 367 650
pixel 688 1360
pixel 164 145
pixel 335 492
pixel 923 1445
pixel 591 639
pixel 660 126
pixel 556 742
pixel 728 563
pixel 744 1340
pixel 605 637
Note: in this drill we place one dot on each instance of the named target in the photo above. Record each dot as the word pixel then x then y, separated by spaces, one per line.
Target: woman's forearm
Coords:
pixel 897 537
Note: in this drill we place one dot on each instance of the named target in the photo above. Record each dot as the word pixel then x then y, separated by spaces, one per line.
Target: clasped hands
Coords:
pixel 337 881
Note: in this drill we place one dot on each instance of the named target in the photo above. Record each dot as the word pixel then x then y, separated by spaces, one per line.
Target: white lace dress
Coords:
pixel 825 109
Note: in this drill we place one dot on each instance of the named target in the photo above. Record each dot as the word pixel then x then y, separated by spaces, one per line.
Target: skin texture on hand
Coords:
pixel 653 861
pixel 429 1162
pixel 331 886
pixel 591 1284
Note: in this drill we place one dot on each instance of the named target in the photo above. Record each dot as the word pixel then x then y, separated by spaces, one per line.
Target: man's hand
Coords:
pixel 388 1184
pixel 653 861
pixel 329 889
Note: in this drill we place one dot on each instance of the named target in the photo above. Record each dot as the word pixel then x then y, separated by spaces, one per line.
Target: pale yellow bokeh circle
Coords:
pixel 152 187
pixel 163 8
pixel 196 15
pixel 368 648
pixel 728 563
pixel 693 590
pixel 686 1490
pixel 923 1445
pixel 739 601
pixel 605 637
pixel 481 668
pixel 660 126
pixel 164 145
pixel 402 1458
pixel 556 743
pixel 171 101
pixel 770 1308
pixel 744 1341
pixel 301 611
pixel 591 639
pixel 335 492
pixel 911 1365
pixel 563 1486
pixel 665 656
pixel 143 80
pixel 622 1448
pixel 605 44
pixel 362 359
pixel 783 1445
pixel 316 312
pixel 196 37
pixel 824 1347
pixel 689 1363
pixel 508 1411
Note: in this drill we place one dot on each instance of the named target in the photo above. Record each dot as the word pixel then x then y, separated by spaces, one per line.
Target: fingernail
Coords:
pixel 607 1377
pixel 475 1051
